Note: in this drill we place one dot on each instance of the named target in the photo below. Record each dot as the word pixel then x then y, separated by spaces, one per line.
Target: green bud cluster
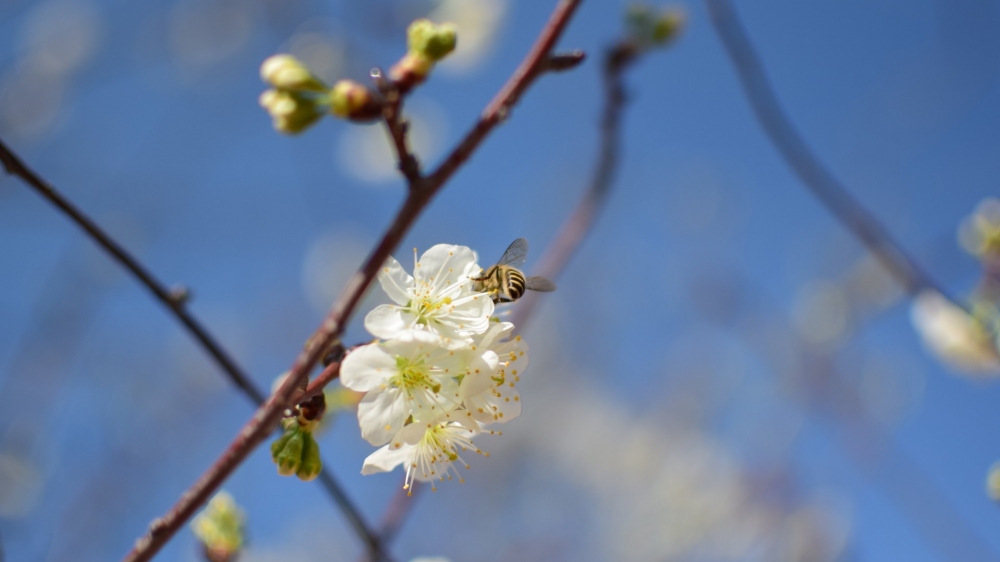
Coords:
pixel 296 451
pixel 652 28
pixel 298 98
pixel 425 38
pixel 427 43
pixel 220 528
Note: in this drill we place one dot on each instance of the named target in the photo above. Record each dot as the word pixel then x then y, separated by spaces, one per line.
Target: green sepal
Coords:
pixel 311 464
pixel 289 456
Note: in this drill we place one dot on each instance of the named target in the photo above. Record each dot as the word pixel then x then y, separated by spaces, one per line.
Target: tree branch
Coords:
pixel 816 177
pixel 173 300
pixel 267 416
pixel 397 127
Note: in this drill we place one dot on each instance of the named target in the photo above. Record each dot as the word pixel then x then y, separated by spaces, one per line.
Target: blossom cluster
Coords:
pixel 442 371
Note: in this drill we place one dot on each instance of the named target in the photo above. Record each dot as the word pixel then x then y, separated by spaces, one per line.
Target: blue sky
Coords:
pixel 151 124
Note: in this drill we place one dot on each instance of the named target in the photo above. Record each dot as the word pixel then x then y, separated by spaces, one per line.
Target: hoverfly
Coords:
pixel 504 282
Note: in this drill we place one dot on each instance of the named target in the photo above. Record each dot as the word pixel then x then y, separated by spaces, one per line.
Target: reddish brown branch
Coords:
pixel 267 416
pixel 325 377
pixel 397 127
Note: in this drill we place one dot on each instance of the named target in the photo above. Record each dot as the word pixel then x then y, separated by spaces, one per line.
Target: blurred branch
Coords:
pixel 816 177
pixel 862 439
pixel 617 59
pixel 421 192
pixel 173 299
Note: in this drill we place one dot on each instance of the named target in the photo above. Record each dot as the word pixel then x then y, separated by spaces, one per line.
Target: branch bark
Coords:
pixel 267 416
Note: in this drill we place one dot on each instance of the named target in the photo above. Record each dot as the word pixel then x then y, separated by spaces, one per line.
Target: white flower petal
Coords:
pixel 381 414
pixel 444 265
pixel 395 281
pixel 386 459
pixel 386 321
pixel 474 385
pixel 496 332
pixel 367 368
pixel 413 433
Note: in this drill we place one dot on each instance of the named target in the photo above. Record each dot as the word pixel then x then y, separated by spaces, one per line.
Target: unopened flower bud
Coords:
pixel 666 27
pixel 432 41
pixel 219 528
pixel 650 28
pixel 427 43
pixel 411 70
pixel 353 101
pixel 287 72
pixel 291 112
pixel 296 452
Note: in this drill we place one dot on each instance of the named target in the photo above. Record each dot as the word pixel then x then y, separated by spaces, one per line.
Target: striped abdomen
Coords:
pixel 513 283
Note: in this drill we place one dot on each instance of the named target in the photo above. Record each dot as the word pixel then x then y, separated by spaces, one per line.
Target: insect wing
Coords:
pixel 540 284
pixel 516 253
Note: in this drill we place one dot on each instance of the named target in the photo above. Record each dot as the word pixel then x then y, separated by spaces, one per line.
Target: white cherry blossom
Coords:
pixel 953 335
pixel 429 450
pixel 493 397
pixel 414 375
pixel 438 298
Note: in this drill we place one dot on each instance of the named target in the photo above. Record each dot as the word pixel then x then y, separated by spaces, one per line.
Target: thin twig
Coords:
pixel 397 127
pixel 173 300
pixel 816 177
pixel 267 416
pixel 320 381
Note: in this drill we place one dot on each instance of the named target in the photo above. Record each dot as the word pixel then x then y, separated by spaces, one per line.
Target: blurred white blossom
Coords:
pixel 993 482
pixel 56 40
pixel 953 335
pixel 477 22
pixel 365 152
pixel 979 233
